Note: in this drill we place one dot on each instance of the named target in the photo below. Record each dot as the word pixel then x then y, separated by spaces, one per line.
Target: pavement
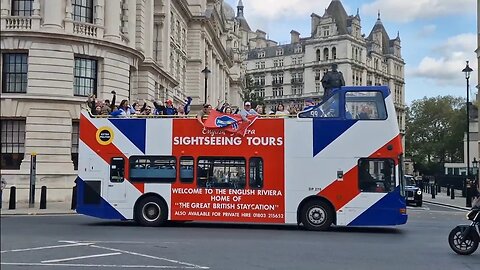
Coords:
pixel 53 208
pixel 442 199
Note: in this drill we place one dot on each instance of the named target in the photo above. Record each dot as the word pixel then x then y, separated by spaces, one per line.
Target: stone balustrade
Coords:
pixel 85 29
pixel 17 23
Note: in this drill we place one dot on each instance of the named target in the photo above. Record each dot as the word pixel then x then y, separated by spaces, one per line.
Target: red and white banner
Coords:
pixel 232 123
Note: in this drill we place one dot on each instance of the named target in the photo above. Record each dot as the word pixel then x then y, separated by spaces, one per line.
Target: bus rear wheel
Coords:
pixel 317 216
pixel 151 211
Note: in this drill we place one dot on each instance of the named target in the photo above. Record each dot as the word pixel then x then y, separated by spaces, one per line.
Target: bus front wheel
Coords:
pixel 317 216
pixel 151 211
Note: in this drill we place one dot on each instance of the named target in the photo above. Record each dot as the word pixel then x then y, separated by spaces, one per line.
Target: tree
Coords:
pixel 249 94
pixel 434 132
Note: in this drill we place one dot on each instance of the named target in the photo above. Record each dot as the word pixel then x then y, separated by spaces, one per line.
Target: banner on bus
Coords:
pixel 232 123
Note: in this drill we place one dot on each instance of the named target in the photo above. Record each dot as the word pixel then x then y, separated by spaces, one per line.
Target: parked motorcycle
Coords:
pixel 464 239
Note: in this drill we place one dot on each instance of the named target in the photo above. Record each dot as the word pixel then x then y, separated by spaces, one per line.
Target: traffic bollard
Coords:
pixel 74 198
pixel 12 203
pixel 448 190
pixel 433 191
pixel 43 198
pixel 452 194
pixel 439 189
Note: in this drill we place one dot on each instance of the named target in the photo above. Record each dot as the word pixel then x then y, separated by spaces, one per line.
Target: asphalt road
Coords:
pixel 78 242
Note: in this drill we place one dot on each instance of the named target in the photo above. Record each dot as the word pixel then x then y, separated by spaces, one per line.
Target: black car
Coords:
pixel 412 192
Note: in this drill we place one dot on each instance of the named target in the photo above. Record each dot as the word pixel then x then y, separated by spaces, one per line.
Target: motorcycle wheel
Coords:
pixel 466 247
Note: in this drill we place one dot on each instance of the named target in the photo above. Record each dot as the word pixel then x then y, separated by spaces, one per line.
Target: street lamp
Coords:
pixel 467 70
pixel 206 72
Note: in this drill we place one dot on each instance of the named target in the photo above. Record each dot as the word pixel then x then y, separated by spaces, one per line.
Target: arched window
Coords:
pixel 334 53
pixel 325 54
pixel 318 55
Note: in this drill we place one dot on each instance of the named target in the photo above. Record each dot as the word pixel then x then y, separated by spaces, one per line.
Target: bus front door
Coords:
pixel 116 189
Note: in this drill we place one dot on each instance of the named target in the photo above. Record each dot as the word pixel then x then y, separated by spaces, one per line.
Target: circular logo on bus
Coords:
pixel 104 135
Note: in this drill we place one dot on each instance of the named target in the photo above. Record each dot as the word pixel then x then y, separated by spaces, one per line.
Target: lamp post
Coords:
pixel 206 72
pixel 467 70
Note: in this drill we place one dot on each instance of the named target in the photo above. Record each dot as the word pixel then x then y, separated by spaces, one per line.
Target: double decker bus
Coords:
pixel 336 163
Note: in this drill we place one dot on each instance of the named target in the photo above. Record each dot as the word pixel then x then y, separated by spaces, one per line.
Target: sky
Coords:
pixel 437 36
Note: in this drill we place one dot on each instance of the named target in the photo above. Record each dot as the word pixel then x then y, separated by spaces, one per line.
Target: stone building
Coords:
pixel 289 73
pixel 55 53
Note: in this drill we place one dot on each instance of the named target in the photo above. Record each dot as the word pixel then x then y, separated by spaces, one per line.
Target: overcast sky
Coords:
pixel 438 36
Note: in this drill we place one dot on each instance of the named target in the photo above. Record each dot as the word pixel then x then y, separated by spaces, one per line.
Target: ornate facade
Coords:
pixel 55 53
pixel 289 73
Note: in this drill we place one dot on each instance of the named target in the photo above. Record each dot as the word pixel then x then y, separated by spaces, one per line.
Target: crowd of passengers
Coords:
pixel 153 108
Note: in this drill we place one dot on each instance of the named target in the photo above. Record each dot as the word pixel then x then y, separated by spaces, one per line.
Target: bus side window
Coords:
pixel 117 170
pixel 256 172
pixel 376 175
pixel 186 169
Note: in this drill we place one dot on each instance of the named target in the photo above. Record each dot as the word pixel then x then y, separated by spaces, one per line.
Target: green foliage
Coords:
pixel 434 132
pixel 249 94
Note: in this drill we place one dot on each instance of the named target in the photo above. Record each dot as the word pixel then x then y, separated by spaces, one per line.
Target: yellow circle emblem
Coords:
pixel 104 135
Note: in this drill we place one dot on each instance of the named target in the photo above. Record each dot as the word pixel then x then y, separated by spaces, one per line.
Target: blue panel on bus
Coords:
pixel 385 212
pixel 102 209
pixel 325 131
pixel 134 129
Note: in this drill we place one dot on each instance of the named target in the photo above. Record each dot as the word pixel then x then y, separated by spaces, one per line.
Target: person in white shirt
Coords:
pixel 247 110
pixel 281 111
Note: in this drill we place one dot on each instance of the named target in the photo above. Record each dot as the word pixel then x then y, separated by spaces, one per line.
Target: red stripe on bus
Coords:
pixel 106 152
pixel 340 192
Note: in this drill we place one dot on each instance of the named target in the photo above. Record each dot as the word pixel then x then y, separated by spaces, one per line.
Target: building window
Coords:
pixel 13 143
pixel 14 73
pixel 22 8
pixel 278 91
pixel 325 54
pixel 261 54
pixel 334 53
pixel 85 83
pixel 318 55
pixel 262 64
pixel 298 49
pixel 260 92
pixel 75 138
pixel 279 52
pixel 82 11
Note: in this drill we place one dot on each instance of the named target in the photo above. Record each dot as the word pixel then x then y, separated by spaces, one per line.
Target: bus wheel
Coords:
pixel 151 211
pixel 316 216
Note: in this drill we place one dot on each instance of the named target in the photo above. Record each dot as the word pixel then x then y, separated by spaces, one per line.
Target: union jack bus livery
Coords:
pixel 335 163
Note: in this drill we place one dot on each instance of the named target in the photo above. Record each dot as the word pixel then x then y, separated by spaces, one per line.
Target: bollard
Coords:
pixel 469 199
pixel 448 190
pixel 43 198
pixel 433 191
pixel 439 189
pixel 452 193
pixel 13 198
pixel 74 198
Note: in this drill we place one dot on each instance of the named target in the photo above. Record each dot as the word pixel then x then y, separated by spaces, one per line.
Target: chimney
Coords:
pixel 294 37
pixel 261 34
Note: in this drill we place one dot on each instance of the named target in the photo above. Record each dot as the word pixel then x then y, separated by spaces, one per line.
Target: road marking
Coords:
pixel 82 257
pixel 104 265
pixel 73 244
pixel 152 257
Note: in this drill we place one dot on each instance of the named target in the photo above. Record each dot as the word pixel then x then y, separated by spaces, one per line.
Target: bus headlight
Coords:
pixel 419 192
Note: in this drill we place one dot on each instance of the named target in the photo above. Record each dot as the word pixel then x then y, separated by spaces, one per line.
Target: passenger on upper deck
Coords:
pixel 247 110
pixel 281 111
pixel 204 112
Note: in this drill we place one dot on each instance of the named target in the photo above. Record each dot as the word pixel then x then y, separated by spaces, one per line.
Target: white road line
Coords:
pixel 73 244
pixel 103 265
pixel 82 257
pixel 109 242
pixel 152 257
